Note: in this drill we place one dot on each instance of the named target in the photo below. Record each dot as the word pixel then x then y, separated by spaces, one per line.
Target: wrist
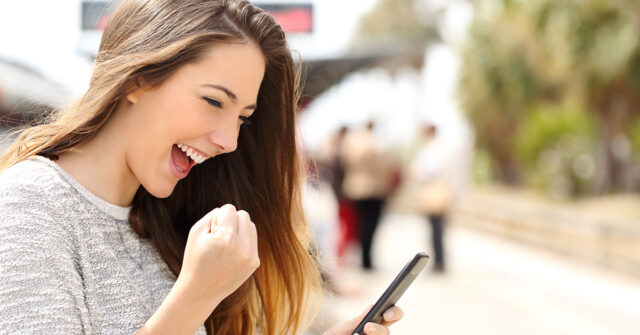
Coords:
pixel 181 312
pixel 190 291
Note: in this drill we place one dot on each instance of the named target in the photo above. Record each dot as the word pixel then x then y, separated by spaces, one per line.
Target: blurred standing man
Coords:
pixel 432 167
pixel 367 182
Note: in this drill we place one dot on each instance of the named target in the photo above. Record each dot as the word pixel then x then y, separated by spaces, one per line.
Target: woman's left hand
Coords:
pixel 389 317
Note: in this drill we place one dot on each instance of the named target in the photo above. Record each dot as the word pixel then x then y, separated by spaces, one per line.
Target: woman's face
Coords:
pixel 192 116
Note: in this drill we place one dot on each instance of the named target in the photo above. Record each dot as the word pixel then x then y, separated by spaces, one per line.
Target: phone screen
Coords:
pixel 395 290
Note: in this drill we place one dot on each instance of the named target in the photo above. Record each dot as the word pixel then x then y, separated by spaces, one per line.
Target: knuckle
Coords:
pixel 228 241
pixel 229 207
pixel 245 215
pixel 223 244
pixel 192 229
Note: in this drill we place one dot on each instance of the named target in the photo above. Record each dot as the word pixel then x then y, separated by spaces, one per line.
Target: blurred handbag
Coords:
pixel 435 196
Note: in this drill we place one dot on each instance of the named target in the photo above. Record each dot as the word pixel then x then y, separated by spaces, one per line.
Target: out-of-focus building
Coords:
pixel 24 93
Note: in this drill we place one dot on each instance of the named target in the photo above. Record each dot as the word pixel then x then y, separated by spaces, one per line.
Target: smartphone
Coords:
pixel 395 290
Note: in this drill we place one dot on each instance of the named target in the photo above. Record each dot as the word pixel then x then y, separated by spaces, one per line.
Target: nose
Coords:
pixel 225 137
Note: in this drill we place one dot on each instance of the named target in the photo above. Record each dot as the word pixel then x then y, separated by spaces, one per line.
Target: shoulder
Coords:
pixel 32 168
pixel 32 213
pixel 31 190
pixel 34 180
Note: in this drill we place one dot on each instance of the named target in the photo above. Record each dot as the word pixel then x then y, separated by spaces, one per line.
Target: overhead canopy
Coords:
pixel 321 74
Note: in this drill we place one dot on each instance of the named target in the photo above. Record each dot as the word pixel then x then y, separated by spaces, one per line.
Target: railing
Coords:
pixel 612 242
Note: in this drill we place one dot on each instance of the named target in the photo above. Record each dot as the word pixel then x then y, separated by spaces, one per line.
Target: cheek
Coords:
pixel 170 116
pixel 156 127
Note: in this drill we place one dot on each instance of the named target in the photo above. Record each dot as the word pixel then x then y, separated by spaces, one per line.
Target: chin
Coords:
pixel 160 191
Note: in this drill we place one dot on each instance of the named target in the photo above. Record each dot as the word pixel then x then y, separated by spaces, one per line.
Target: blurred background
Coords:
pixel 502 137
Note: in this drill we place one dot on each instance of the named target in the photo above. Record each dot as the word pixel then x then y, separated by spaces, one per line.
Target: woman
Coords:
pixel 116 215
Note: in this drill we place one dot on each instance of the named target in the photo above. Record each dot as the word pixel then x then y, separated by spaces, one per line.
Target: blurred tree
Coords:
pixel 396 22
pixel 586 52
pixel 556 143
pixel 597 44
pixel 499 82
pixel 635 138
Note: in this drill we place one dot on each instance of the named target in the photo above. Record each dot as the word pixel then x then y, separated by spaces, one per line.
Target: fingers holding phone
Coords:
pixel 392 315
pixel 347 327
pixel 377 318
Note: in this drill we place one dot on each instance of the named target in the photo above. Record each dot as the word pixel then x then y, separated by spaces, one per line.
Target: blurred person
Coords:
pixel 329 155
pixel 321 213
pixel 334 173
pixel 431 167
pixel 167 199
pixel 367 181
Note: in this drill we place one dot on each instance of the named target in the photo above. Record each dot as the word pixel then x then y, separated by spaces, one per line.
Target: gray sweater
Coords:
pixel 69 261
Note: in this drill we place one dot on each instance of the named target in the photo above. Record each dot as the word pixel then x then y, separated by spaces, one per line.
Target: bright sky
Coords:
pixel 43 35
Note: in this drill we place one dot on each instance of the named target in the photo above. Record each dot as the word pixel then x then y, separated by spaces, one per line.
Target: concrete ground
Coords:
pixel 492 286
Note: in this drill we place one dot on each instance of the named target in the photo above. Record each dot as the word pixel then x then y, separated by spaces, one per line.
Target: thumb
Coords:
pixel 203 225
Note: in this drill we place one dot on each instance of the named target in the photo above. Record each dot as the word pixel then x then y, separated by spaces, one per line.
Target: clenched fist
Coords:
pixel 221 254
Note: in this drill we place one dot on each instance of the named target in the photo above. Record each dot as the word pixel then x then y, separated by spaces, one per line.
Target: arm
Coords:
pixel 217 260
pixel 181 312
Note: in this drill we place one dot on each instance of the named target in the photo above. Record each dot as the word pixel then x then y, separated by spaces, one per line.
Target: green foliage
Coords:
pixel 526 60
pixel 556 143
pixel 593 42
pixel 635 138
pixel 393 21
pixel 482 169
pixel 550 124
pixel 498 82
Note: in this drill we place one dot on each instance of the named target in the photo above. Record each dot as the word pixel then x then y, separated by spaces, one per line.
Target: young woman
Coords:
pixel 166 200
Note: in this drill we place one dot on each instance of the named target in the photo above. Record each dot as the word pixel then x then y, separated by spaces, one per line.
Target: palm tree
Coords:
pixel 597 42
pixel 532 52
pixel 500 81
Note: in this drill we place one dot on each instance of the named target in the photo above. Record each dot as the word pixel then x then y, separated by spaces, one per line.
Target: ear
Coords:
pixel 134 89
pixel 133 97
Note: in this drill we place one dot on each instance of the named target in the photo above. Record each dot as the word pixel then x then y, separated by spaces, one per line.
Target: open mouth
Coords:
pixel 181 161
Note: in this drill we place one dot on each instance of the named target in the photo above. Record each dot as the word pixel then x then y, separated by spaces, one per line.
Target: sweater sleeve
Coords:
pixel 41 288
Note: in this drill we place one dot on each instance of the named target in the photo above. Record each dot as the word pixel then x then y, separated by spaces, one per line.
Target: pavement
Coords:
pixel 492 286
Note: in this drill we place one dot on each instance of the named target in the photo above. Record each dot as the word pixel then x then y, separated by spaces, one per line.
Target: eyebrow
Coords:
pixel 230 94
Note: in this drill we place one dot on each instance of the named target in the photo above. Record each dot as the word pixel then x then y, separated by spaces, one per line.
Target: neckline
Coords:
pixel 113 210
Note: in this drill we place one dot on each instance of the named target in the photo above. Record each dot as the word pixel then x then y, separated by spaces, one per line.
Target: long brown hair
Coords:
pixel 148 40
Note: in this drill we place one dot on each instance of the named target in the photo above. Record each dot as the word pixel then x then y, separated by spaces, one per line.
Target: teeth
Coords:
pixel 197 158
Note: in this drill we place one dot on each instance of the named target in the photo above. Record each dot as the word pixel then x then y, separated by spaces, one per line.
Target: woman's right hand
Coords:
pixel 221 253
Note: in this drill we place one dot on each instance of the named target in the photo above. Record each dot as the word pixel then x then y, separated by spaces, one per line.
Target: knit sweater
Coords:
pixel 69 261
